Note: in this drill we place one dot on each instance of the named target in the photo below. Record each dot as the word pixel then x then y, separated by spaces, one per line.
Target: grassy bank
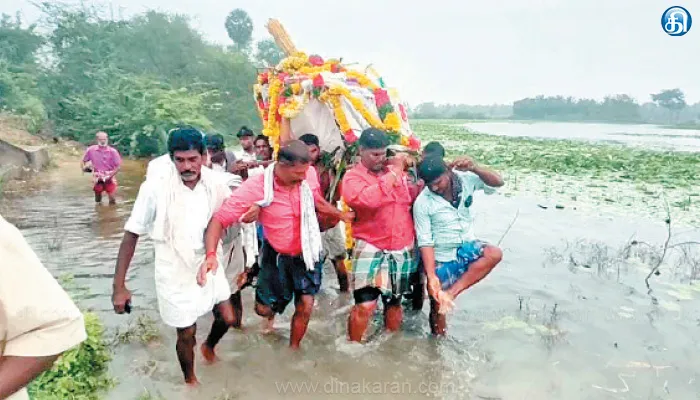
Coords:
pixel 581 173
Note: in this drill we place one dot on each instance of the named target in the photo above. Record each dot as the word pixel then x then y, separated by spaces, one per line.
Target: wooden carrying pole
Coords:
pixel 281 37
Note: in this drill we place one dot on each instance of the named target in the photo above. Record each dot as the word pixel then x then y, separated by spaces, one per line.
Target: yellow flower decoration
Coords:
pixel 404 141
pixel 392 122
pixel 272 128
pixel 359 106
pixel 340 116
pixel 349 241
pixel 362 79
pixel 293 107
pixel 296 88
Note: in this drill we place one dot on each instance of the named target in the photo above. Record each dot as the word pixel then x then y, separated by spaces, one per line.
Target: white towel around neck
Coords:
pixel 311 243
pixel 170 225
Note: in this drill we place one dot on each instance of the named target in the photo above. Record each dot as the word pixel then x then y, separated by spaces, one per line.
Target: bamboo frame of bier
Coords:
pixel 281 37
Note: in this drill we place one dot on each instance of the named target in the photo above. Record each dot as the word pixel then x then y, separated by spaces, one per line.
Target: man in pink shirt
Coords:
pixel 283 273
pixel 103 161
pixel 383 260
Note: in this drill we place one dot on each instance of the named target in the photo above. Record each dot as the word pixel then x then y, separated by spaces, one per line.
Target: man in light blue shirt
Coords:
pixel 452 257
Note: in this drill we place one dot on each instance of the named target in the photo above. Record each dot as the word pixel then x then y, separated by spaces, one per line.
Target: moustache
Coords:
pixel 188 173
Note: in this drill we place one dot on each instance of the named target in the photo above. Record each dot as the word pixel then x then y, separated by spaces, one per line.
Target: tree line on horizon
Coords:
pixel 133 78
pixel 667 107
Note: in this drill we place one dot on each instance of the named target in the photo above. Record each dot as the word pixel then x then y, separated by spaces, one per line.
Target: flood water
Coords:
pixel 536 328
pixel 647 136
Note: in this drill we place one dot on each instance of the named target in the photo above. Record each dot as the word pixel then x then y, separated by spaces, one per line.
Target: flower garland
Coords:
pixel 283 100
pixel 362 79
pixel 292 107
pixel 341 118
pixel 349 241
pixel 358 105
pixel 272 130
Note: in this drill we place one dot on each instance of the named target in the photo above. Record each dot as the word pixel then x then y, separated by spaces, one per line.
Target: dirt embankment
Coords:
pixel 23 154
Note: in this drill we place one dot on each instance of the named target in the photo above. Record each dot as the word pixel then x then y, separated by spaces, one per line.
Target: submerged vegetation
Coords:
pixel 568 171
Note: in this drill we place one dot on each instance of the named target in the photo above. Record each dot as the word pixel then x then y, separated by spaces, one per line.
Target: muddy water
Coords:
pixel 537 328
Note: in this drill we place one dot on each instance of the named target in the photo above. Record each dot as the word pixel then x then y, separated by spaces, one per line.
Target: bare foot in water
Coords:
pixel 268 326
pixel 208 354
pixel 192 383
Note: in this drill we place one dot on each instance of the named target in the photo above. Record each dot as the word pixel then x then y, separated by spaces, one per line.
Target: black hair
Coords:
pixel 373 138
pixel 434 148
pixel 310 139
pixel 262 137
pixel 215 142
pixel 185 139
pixel 432 167
pixel 244 131
pixel 294 152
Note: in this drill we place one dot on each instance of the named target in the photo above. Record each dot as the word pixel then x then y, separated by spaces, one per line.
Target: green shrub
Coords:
pixel 79 374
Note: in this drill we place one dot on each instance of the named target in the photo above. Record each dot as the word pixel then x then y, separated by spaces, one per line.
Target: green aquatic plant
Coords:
pixel 79 374
pixel 144 330
pixel 568 157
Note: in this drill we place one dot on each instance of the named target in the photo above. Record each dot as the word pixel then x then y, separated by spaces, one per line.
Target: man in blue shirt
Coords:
pixel 453 259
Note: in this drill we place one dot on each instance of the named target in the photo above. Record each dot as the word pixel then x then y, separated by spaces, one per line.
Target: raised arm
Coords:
pixel 285 131
pixel 359 194
pixel 487 175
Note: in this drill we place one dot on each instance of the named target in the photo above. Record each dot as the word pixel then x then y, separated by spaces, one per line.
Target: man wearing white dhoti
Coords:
pixel 175 211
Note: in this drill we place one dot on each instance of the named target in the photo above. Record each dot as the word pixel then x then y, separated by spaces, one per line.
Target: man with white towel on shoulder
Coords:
pixel 288 196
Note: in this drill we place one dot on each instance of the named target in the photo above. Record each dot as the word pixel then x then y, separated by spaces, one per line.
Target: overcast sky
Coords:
pixel 476 52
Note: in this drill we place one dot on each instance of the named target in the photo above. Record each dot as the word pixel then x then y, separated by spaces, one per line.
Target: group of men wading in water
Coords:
pixel 202 204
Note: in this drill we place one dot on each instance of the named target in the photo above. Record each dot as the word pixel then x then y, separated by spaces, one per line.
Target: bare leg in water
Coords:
pixel 393 314
pixel 477 271
pixel 340 270
pixel 303 306
pixel 268 317
pixel 220 326
pixel 359 319
pixel 185 353
pixel 438 322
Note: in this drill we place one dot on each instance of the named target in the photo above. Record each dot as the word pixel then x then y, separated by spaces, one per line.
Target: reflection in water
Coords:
pixel 532 330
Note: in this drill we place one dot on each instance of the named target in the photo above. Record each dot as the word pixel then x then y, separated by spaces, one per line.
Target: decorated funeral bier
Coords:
pixel 333 100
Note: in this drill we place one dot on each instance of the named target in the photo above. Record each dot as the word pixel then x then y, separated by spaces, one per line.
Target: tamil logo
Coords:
pixel 676 21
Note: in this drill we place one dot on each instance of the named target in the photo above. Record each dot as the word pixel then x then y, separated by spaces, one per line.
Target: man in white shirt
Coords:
pixel 246 138
pixel 38 320
pixel 174 207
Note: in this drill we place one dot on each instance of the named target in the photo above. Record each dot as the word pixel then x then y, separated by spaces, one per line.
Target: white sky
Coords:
pixel 476 52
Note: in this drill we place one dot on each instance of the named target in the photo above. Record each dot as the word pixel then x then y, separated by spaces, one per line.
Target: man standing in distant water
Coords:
pixel 103 161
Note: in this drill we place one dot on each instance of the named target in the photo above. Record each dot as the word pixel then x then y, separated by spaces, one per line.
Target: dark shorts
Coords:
pixel 283 277
pixel 109 186
pixel 450 272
